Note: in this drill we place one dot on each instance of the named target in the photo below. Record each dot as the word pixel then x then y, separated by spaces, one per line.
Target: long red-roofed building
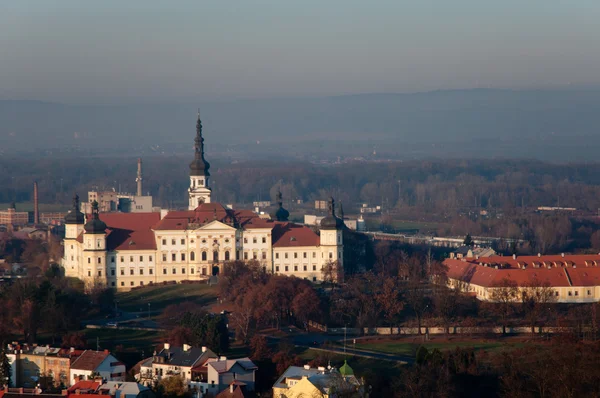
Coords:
pixel 571 278
pixel 127 250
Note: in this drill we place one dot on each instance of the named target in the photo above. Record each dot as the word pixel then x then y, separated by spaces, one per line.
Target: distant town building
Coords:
pixel 222 373
pixel 91 364
pixel 12 217
pixel 569 278
pixel 320 204
pixel 476 252
pixel 262 203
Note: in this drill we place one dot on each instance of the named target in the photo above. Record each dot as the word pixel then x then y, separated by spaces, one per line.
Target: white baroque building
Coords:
pixel 125 250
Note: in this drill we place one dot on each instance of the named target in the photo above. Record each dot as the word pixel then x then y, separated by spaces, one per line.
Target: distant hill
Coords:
pixel 554 125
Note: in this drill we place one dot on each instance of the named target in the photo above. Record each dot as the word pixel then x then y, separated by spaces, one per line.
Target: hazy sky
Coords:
pixel 127 50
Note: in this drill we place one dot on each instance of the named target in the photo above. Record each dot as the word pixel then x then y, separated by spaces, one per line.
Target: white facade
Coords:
pixel 110 369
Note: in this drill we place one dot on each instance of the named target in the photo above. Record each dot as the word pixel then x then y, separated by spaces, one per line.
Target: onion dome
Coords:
pixel 346 370
pixel 75 216
pixel 281 214
pixel 331 221
pixel 199 166
pixel 95 225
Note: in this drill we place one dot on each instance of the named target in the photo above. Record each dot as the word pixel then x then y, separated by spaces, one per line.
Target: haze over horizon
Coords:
pixel 117 53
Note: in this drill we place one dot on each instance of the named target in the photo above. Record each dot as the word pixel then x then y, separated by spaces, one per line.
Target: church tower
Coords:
pixel 199 190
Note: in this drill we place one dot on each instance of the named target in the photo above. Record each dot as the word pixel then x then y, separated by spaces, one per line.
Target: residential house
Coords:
pixel 329 382
pixel 91 364
pixel 223 372
pixel 186 362
pixel 237 389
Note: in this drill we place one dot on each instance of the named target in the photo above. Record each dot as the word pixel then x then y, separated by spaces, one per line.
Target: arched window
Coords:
pixel 192 256
pixel 203 256
pixel 215 256
pixel 227 255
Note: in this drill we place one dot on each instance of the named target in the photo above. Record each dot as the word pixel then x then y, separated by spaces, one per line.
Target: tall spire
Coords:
pixel 199 166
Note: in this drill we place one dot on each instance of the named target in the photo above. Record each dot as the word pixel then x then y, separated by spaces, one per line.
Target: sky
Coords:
pixel 115 51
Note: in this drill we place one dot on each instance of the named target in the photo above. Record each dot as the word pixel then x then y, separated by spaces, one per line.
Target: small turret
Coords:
pixel 95 225
pixel 75 216
pixel 281 214
pixel 331 221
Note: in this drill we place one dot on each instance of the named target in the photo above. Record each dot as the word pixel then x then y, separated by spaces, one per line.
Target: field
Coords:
pixel 160 296
pixel 409 346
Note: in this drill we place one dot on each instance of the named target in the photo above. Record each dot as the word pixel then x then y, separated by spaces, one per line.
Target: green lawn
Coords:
pixel 160 296
pixel 405 348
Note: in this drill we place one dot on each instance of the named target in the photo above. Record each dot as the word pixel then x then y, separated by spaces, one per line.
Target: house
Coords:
pixel 468 251
pixel 91 364
pixel 329 382
pixel 223 372
pixel 569 278
pixel 115 389
pixel 186 362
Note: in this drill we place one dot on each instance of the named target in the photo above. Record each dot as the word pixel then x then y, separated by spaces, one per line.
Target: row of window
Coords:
pixel 203 256
pixel 150 271
pixel 287 268
pixel 182 241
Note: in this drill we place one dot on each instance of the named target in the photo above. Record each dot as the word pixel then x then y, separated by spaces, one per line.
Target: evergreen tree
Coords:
pixel 5 369
pixel 468 241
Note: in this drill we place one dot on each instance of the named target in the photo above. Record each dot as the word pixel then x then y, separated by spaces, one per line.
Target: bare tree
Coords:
pixel 504 296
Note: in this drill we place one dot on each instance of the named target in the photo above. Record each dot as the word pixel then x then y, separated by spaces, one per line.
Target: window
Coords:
pixel 286 255
pixel 164 271
pixel 245 255
pixel 314 278
pixel 314 267
pixel 226 240
pixel 314 254
pixel 305 268
pixel 570 294
pixel 174 271
pixel 131 283
pixel 215 256
pixel 122 259
pixel 227 255
pixel 295 255
pixel 164 257
pixel 112 272
pixel 164 242
pixel 141 258
pixel 576 293
pixel 130 259
pixel 150 271
pixel 89 260
pixel 141 283
pixel 245 240
pixel 264 255
pixel 183 270
pixel 192 270
pixel 264 240
pixel 173 241
pixel 141 271
pixel 253 240
pixel 182 256
pixel 192 256
pixel 131 271
pixel 99 260
pixel 112 259
pixel 203 256
pixel 122 271
pixel 254 256
pixel 99 273
pixel 203 271
pixel 150 258
pixel 330 255
pixel 286 268
pixel 295 268
pixel 173 257
pixel 277 268
pixel 122 283
pixel 203 240
pixel 589 292
pixel 112 284
pixel 277 256
pixel 304 254
pixel 183 241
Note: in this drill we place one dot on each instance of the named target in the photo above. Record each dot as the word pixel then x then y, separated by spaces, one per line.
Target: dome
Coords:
pixel 346 370
pixel 282 214
pixel 95 225
pixel 199 167
pixel 331 221
pixel 75 216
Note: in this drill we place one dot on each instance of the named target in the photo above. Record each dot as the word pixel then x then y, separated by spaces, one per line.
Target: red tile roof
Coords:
pixel 130 231
pixel 89 360
pixel 555 270
pixel 84 385
pixel 209 212
pixel 294 235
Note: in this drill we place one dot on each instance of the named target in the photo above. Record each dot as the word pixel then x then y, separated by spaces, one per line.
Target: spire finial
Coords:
pixel 341 211
pixel 75 202
pixel 332 206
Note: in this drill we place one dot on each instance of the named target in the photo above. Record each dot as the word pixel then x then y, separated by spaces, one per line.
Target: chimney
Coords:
pixel 231 388
pixel 36 208
pixel 514 256
pixel 562 255
pixel 167 346
pixel 539 255
pixel 139 177
pixel 222 358
pixel 307 367
pixel 321 369
pixel 203 348
pixel 186 347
